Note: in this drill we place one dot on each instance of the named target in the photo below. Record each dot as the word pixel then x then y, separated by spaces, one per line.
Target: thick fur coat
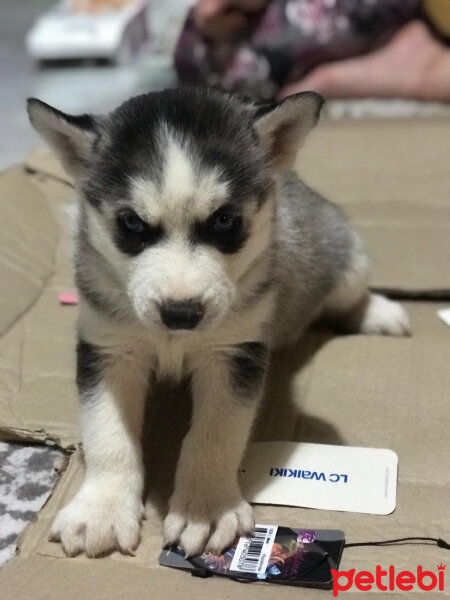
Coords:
pixel 198 253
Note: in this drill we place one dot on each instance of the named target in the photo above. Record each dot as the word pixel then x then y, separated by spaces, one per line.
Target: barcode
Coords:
pixel 253 552
pixel 253 556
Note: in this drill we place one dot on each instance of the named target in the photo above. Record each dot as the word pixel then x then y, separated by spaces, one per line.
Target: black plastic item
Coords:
pixel 299 557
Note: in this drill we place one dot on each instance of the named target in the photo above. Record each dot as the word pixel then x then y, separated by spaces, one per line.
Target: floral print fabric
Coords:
pixel 286 40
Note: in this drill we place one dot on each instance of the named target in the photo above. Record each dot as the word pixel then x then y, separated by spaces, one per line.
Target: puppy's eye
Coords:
pixel 133 235
pixel 224 229
pixel 132 223
pixel 224 222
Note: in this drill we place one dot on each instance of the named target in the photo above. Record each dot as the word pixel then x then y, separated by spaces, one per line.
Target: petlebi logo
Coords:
pixel 389 580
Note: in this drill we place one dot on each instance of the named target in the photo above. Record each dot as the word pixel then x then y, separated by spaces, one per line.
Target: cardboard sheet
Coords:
pixel 37 391
pixel 394 179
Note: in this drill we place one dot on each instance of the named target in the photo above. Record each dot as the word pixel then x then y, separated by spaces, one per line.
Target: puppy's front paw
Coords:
pixel 99 520
pixel 206 522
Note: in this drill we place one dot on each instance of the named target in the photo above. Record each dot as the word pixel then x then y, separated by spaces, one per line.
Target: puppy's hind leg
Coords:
pixel 353 308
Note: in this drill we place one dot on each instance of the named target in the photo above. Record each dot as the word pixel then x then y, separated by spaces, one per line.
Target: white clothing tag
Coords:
pixel 444 315
pixel 320 476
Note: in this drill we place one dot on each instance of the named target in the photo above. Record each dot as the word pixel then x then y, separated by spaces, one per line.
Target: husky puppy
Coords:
pixel 198 252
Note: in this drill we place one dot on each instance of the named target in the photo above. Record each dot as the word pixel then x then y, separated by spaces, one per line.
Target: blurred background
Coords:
pixel 89 55
pixel 70 63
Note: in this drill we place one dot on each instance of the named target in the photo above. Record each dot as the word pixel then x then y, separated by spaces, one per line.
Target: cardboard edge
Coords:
pixel 37 436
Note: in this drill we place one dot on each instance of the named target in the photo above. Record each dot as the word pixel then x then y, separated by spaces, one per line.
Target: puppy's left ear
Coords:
pixel 70 137
pixel 282 128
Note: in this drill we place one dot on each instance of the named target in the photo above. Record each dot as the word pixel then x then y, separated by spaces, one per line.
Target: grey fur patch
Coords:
pixel 255 294
pixel 96 298
pixel 247 367
pixel 111 302
pixel 312 248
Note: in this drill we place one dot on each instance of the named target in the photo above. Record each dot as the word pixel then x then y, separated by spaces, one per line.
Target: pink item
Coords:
pixel 68 298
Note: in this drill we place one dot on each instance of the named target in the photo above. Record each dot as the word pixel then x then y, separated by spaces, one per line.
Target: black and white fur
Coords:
pixel 198 252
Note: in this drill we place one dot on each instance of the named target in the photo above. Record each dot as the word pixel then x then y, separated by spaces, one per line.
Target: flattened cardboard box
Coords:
pixel 393 179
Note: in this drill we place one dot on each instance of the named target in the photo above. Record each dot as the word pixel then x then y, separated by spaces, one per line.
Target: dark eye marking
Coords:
pixel 133 235
pixel 224 230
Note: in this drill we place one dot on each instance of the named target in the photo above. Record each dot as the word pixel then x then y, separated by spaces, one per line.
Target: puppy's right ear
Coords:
pixel 70 137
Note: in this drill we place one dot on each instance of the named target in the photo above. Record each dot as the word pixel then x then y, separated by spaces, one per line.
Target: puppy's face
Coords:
pixel 177 194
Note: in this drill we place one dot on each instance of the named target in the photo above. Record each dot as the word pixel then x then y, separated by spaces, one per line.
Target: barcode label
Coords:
pixel 253 553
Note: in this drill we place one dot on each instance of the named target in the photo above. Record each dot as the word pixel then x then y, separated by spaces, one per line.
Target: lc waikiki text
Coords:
pixel 405 581
pixel 302 474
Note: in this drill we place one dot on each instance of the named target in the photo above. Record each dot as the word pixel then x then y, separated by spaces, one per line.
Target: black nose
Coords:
pixel 181 314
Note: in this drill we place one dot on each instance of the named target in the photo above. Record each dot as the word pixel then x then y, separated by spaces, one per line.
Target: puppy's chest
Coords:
pixel 171 358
